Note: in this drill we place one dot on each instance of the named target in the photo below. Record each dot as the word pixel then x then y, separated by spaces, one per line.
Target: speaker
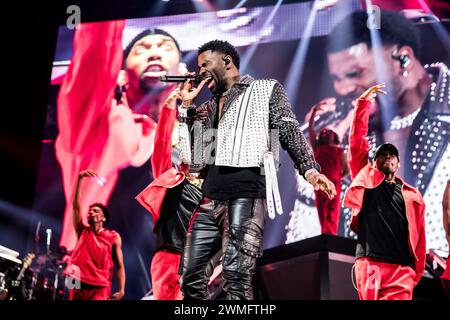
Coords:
pixel 318 268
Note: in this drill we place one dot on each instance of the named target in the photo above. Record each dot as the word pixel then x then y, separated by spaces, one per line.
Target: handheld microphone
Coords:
pixel 195 78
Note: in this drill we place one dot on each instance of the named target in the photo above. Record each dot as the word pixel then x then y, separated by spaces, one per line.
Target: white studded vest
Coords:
pixel 244 135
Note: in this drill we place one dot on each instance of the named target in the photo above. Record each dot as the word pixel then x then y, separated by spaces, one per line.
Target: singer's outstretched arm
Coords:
pixel 77 219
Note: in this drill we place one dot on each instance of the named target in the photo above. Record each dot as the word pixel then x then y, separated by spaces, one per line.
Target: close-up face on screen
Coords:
pixel 209 153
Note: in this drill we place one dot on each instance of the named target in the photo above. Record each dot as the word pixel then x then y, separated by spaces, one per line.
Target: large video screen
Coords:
pixel 286 42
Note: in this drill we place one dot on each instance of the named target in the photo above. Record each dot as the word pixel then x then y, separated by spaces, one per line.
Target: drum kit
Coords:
pixel 36 277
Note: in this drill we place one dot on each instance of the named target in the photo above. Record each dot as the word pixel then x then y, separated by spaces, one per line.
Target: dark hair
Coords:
pixel 146 32
pixel 394 29
pixel 223 47
pixel 126 52
pixel 325 136
pixel 105 210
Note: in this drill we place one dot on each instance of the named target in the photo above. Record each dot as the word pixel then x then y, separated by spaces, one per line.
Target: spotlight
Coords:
pixel 324 4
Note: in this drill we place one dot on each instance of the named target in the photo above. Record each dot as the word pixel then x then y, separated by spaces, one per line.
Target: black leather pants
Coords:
pixel 237 226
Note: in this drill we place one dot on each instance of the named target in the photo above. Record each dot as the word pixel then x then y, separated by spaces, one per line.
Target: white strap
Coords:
pixel 272 191
pixel 269 198
pixel 238 131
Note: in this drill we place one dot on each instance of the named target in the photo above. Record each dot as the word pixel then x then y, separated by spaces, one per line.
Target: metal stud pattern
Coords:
pixel 243 129
pixel 290 136
pixel 434 228
pixel 281 120
pixel 430 155
pixel 181 143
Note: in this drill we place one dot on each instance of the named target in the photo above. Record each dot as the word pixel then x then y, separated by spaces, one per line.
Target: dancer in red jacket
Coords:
pixel 387 215
pixel 171 199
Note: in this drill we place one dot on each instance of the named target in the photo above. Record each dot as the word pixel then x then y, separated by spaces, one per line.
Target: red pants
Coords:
pixel 329 210
pixel 165 277
pixel 90 293
pixel 383 281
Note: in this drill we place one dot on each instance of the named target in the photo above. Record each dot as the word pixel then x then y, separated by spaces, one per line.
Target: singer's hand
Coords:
pixel 321 182
pixel 187 91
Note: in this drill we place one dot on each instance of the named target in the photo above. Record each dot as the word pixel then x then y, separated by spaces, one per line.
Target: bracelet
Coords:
pixel 310 172
pixel 183 110
pixel 187 114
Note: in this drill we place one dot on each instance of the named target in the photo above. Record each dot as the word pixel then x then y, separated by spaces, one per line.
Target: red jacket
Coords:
pixel 152 197
pixel 367 176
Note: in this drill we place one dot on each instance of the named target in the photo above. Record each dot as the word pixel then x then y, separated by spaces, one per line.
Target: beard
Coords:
pixel 94 220
pixel 388 169
pixel 219 87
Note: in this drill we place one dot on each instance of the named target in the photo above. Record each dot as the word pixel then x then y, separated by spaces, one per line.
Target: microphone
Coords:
pixel 195 78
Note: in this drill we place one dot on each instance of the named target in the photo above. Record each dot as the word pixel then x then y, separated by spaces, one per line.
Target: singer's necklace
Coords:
pixel 226 93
